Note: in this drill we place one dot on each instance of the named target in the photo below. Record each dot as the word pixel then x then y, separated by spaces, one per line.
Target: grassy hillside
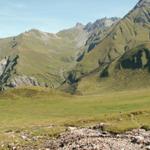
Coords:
pixel 120 58
pixel 43 55
pixel 47 57
pixel 131 31
pixel 119 81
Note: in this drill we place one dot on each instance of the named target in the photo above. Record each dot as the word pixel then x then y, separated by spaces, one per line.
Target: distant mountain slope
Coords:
pixel 131 31
pixel 96 32
pixel 121 59
pixel 44 57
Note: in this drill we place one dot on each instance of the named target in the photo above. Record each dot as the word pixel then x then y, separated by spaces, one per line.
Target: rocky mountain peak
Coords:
pixel 79 25
pixel 140 13
pixel 35 31
pixel 101 23
pixel 142 3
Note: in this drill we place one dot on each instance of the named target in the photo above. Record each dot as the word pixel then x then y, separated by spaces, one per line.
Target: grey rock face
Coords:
pixel 98 30
pixel 79 25
pixel 9 79
pixel 20 81
pixel 6 70
pixel 143 2
pixel 93 34
pixel 101 23
pixel 3 63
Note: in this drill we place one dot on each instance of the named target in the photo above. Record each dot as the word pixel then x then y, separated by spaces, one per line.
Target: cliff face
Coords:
pixel 9 77
pixel 7 69
pixel 96 33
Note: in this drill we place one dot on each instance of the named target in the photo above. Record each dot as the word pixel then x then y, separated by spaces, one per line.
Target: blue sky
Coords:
pixel 17 16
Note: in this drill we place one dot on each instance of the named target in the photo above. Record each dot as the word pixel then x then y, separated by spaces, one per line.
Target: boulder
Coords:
pixel 138 139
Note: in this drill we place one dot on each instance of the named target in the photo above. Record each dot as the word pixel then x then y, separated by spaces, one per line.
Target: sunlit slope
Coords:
pixel 47 57
pixel 43 55
pixel 131 31
pixel 40 107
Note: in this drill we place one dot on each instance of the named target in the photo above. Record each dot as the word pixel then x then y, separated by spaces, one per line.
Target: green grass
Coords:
pixel 31 107
pixel 47 113
pixel 120 80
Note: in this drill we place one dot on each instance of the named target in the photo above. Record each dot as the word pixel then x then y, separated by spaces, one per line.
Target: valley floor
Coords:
pixel 29 117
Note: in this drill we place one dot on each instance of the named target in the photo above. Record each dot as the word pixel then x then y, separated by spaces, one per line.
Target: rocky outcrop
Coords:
pixel 9 77
pixel 85 139
pixel 25 81
pixel 21 81
pixel 92 139
pixel 101 24
pixel 7 68
pixel 95 32
pixel 3 63
pixel 98 30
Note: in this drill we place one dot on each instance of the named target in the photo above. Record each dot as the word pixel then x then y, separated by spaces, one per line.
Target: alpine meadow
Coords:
pixel 83 88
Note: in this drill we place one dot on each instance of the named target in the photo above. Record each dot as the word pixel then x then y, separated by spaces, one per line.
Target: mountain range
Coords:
pixel 111 53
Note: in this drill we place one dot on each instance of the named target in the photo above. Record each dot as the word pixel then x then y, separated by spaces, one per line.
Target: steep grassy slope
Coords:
pixel 96 33
pixel 120 59
pixel 99 29
pixel 131 31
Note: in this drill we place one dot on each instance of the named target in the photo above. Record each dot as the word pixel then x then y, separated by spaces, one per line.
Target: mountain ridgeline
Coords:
pixel 121 57
pixel 108 52
pixel 45 58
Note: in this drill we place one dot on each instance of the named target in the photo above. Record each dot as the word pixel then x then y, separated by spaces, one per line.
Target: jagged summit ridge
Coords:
pixel 101 23
pixel 143 2
pixel 79 25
